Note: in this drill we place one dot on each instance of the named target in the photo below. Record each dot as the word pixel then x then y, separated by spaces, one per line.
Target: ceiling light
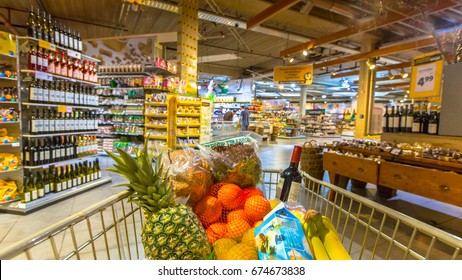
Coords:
pixel 292 85
pixel 281 87
pixel 404 74
pixel 314 98
pixel 325 102
pixel 291 60
pixel 199 87
pixel 324 96
pixel 390 75
pixel 371 63
pixel 335 73
pixel 306 9
pixel 305 52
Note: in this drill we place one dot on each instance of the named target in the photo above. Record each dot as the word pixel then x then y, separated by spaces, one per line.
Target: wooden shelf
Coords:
pixel 156 116
pixel 155 103
pixel 160 137
pixel 188 115
pixel 188 124
pixel 155 125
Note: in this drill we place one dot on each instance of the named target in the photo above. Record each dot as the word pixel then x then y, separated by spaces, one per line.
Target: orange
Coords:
pixel 238 215
pixel 248 192
pixel 215 188
pixel 236 228
pixel 256 207
pixel 230 196
pixel 208 209
pixel 215 231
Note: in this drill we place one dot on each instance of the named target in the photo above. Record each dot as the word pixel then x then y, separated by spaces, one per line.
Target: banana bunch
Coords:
pixel 322 237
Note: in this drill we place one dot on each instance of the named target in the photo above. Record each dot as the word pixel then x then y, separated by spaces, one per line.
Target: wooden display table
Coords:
pixel 436 183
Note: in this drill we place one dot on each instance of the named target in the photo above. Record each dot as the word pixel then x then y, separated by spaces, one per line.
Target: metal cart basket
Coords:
pixel 111 229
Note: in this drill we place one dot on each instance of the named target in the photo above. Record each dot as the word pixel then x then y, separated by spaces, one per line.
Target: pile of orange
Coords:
pixel 229 211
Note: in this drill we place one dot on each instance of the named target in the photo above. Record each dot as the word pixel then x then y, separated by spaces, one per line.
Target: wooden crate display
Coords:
pixel 361 169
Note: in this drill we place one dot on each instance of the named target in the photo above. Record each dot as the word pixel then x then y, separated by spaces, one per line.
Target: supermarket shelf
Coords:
pixel 119 88
pixel 10 56
pixel 156 116
pixel 157 88
pixel 185 145
pixel 155 103
pixel 190 103
pixel 188 124
pixel 51 198
pixel 162 137
pixel 123 114
pixel 13 122
pixel 8 102
pixel 122 74
pixel 11 171
pixel 8 79
pixel 64 162
pixel 188 114
pixel 188 135
pixel 57 105
pixel 123 104
pixel 127 134
pixel 59 77
pixel 124 123
pixel 155 125
pixel 106 136
pixel 117 154
pixel 59 134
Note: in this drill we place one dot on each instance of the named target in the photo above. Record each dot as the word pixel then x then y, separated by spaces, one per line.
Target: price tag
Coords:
pixel 427 72
pixel 47 45
pixel 14 144
pixel 43 76
pixel 395 151
pixel 74 54
pixel 65 109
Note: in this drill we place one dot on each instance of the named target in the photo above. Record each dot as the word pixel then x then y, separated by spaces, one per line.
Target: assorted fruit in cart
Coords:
pixel 204 204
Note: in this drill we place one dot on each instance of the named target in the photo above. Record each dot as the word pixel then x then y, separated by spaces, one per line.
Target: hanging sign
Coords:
pixel 298 74
pixel 427 71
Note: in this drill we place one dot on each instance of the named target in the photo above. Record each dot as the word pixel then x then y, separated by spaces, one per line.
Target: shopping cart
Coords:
pixel 111 229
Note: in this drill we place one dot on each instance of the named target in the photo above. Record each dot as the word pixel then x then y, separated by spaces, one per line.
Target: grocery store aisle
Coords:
pixel 14 228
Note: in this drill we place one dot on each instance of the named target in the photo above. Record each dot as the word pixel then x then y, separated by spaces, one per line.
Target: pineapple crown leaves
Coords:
pixel 148 185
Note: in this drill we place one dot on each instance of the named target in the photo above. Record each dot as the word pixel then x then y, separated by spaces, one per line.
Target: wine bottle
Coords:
pixel 38 25
pixel 46 181
pixel 98 169
pixel 39 59
pixel 33 123
pixel 425 119
pixel 57 149
pixel 57 33
pixel 63 64
pixel 80 45
pixel 32 59
pixel 291 175
pixel 31 27
pixel 51 30
pixel 39 185
pixel 46 151
pixel 57 180
pixel 33 188
pixel 45 122
pixel 416 120
pixel 409 118
pixel 26 152
pixel 68 177
pixel 433 121
pixel 76 41
pixel 45 30
pixel 41 153
pixel 395 116
pixel 385 120
pixel 33 90
pixel 78 175
pixel 63 178
pixel 73 175
pixel 25 191
pixel 62 148
pixel 45 92
pixel 51 63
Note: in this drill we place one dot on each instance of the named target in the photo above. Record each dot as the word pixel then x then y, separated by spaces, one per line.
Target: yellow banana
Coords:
pixel 328 223
pixel 318 249
pixel 334 247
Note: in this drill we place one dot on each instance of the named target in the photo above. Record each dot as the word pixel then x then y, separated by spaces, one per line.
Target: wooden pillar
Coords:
pixel 187 45
pixel 302 101
pixel 366 88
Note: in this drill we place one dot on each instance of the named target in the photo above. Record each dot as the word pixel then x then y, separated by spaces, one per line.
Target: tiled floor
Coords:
pixel 14 228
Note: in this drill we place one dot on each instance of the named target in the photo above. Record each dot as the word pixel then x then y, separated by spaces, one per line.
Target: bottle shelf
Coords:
pixel 58 105
pixel 48 76
pixel 123 74
pixel 59 134
pixel 8 79
pixel 155 125
pixel 51 198
pixel 63 162
pixel 10 56
pixel 156 116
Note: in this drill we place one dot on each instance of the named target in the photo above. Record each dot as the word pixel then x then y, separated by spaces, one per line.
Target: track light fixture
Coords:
pixel 404 74
pixel 305 52
pixel 371 63
pixel 291 60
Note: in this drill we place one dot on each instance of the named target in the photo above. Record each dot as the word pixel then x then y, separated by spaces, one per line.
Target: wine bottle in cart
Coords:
pixel 291 177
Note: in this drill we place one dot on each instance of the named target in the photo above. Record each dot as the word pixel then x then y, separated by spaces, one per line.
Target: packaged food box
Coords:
pixel 281 237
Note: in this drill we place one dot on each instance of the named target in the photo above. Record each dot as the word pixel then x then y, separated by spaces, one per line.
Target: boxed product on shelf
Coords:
pixel 9 161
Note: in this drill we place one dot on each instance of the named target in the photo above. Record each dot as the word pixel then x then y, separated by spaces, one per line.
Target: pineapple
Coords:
pixel 171 231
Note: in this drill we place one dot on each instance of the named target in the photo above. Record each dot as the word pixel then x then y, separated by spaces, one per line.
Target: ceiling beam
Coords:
pixel 279 6
pixel 364 27
pixel 380 52
pixel 379 69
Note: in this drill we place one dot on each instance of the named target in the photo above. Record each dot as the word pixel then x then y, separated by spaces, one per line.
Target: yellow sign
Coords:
pixel 47 45
pixel 64 109
pixel 427 71
pixel 299 74
pixel 7 44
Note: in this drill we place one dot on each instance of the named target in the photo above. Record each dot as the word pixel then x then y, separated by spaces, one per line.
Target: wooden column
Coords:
pixel 365 91
pixel 187 45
